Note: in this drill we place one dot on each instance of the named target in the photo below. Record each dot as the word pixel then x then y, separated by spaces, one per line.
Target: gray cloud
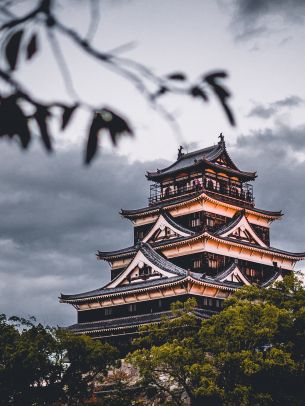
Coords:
pixel 253 18
pixel 54 215
pixel 281 182
pixel 269 110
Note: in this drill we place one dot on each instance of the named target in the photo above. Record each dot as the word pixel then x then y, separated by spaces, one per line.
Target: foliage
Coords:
pixel 251 353
pixel 21 112
pixel 42 365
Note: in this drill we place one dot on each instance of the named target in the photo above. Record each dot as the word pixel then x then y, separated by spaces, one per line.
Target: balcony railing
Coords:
pixel 243 194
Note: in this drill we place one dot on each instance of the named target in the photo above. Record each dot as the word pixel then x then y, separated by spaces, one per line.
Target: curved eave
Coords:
pixel 158 176
pixel 111 255
pixel 72 299
pixel 171 221
pixel 92 328
pixel 149 210
pixel 206 235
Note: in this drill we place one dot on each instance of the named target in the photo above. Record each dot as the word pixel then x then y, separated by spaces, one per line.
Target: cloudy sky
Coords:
pixel 55 213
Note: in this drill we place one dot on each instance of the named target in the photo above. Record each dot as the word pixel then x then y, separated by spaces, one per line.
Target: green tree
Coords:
pixel 251 353
pixel 41 365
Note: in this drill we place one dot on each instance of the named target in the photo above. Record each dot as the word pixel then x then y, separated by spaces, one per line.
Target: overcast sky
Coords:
pixel 55 214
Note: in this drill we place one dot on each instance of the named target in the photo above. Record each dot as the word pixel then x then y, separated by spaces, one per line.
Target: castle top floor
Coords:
pixel 210 169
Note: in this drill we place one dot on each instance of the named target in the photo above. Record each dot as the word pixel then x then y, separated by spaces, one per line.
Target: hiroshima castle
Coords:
pixel 200 236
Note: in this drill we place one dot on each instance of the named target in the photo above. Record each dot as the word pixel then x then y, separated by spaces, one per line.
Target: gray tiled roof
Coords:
pixel 131 321
pixel 153 257
pixel 231 224
pixel 226 272
pixel 156 207
pixel 188 160
pixel 272 279
pixel 160 261
pixel 173 221
pixel 270 249
pixel 104 291
pixel 164 203
pixel 215 281
pixel 133 249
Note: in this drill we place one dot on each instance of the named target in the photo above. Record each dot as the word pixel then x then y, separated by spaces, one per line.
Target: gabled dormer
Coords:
pixel 146 265
pixel 166 228
pixel 240 229
pixel 233 274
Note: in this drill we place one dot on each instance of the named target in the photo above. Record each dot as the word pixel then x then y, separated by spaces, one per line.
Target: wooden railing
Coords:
pixel 244 196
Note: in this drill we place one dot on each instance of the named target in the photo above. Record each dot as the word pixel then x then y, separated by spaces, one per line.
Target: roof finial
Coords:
pixel 221 139
pixel 180 153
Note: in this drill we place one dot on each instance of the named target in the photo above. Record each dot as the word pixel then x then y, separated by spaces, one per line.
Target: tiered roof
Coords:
pixel 130 323
pixel 149 275
pixel 206 157
pixel 222 234
pixel 190 198
pixel 178 274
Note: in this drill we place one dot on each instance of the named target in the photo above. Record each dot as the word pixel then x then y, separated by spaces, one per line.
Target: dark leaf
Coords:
pixel 96 125
pixel 105 120
pixel 215 75
pixel 196 91
pixel 13 121
pixel 31 48
pixel 222 93
pixel 41 117
pixel 12 48
pixel 67 114
pixel 177 76
pixel 116 126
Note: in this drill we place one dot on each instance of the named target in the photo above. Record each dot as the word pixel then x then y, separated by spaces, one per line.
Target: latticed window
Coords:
pixel 209 222
pixel 145 270
pixel 250 272
pixel 196 222
pixel 213 263
pixel 132 308
pixel 197 263
pixel 108 311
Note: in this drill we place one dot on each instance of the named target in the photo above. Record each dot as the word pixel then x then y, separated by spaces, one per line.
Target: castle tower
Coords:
pixel 200 236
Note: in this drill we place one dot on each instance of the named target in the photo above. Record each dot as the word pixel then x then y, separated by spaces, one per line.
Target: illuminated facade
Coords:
pixel 200 236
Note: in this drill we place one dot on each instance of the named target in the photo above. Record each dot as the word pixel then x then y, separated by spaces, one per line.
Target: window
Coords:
pixel 108 311
pixel 145 270
pixel 210 301
pixel 250 272
pixel 209 222
pixel 213 263
pixel 167 232
pixel 132 308
pixel 197 263
pixel 205 301
pixel 195 222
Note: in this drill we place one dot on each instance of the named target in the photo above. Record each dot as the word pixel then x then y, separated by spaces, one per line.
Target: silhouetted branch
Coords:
pixel 150 85
pixel 95 17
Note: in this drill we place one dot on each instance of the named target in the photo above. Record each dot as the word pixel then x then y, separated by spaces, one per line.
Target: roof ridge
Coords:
pixel 272 278
pixel 171 220
pixel 231 224
pixel 161 262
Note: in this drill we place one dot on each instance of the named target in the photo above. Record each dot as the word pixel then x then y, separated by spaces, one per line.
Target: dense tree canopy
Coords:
pixel 41 365
pixel 252 353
